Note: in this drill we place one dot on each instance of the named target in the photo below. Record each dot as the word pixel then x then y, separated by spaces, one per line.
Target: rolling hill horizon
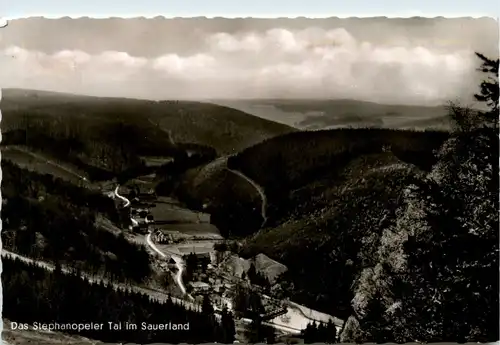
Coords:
pixel 302 114
pixel 186 121
pixel 314 114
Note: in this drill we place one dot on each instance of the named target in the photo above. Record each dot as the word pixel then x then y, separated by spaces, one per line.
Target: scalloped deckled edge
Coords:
pixel 255 16
pixel 4 23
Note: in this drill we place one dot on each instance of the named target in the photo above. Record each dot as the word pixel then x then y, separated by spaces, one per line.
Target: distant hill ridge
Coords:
pixel 316 114
pixel 222 128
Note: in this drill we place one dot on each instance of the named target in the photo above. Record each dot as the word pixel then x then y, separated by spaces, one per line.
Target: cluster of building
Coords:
pixel 140 214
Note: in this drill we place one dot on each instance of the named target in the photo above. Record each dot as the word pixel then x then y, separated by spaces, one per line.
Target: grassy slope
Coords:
pixel 44 164
pixel 224 129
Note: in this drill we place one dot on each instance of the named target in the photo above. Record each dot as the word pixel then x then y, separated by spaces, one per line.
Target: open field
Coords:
pixel 184 249
pixel 156 161
pixel 191 229
pixel 297 320
pixel 171 211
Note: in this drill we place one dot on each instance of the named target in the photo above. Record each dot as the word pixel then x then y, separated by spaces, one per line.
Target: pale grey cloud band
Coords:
pixel 427 63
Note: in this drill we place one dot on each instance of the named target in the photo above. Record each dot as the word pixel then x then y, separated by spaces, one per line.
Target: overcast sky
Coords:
pixel 447 8
pixel 411 61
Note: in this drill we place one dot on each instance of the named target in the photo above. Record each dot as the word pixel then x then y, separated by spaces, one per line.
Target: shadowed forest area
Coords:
pixel 67 298
pixel 62 226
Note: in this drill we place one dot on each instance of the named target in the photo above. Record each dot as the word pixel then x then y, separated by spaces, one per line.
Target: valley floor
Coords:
pixel 192 236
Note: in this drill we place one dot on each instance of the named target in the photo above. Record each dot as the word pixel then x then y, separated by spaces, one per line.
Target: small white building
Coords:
pixel 200 287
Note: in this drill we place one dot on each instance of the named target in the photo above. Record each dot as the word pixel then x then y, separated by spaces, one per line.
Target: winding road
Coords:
pixel 125 200
pixel 178 260
pixel 260 190
pixel 221 163
pixel 299 314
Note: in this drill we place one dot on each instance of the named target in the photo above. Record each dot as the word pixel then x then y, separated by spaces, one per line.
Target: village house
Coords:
pixel 171 263
pixel 199 287
pixel 141 228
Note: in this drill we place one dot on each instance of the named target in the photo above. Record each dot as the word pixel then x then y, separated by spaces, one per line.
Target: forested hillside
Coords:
pixel 293 168
pixel 435 274
pixel 106 136
pixel 55 297
pixel 62 226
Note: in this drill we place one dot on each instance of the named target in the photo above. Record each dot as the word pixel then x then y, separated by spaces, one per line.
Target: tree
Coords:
pixel 228 326
pixel 204 262
pixel 191 266
pixel 331 333
pixel 240 299
pixel 252 273
pixel 256 332
pixel 310 333
pixel 270 334
pixel 255 306
pixel 436 274
pixel 206 306
pixel 489 91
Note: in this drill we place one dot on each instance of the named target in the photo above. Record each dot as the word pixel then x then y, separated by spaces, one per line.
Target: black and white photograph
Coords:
pixel 244 180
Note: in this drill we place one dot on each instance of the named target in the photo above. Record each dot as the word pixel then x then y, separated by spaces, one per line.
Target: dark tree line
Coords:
pixel 32 294
pixel 320 333
pixel 248 303
pixel 224 330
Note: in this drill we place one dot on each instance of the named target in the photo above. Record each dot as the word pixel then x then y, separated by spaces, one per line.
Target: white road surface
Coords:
pixel 178 262
pixel 125 200
pixel 259 189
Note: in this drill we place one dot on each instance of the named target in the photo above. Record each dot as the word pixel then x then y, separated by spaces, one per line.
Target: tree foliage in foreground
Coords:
pixel 436 278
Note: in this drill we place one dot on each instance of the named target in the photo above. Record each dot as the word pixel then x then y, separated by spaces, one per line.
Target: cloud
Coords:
pixel 278 63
